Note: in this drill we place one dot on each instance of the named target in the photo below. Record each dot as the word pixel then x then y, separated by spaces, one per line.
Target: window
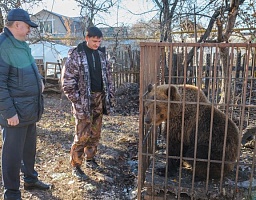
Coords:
pixel 46 27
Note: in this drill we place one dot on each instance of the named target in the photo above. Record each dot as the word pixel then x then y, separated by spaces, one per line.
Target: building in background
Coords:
pixel 58 27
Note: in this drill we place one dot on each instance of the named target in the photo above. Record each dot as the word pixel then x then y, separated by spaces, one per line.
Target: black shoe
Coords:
pixel 11 195
pixel 39 185
pixel 92 164
pixel 5 198
pixel 78 173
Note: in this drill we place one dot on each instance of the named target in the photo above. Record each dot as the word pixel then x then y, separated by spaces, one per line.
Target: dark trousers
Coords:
pixel 18 153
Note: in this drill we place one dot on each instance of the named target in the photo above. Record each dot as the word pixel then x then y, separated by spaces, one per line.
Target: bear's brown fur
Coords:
pixel 209 118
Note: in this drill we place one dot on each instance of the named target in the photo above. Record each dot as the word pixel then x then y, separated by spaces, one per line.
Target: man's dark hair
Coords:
pixel 93 31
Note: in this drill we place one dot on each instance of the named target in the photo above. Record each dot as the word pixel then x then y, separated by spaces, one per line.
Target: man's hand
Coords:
pixel 13 121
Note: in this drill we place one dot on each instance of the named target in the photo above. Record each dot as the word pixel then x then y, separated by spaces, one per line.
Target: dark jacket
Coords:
pixel 20 82
pixel 76 82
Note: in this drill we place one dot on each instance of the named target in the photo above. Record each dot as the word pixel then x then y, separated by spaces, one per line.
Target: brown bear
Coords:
pixel 171 102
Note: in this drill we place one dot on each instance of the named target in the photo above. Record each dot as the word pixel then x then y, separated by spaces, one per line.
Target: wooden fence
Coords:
pixel 51 71
pixel 125 68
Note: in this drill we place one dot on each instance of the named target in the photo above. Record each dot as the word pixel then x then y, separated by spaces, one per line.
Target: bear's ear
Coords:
pixel 173 92
pixel 150 87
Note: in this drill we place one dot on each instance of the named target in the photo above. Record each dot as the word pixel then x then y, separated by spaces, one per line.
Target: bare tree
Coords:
pixel 6 5
pixel 232 8
pixel 247 20
pixel 166 15
pixel 146 30
pixel 90 8
pixel 225 18
pixel 222 13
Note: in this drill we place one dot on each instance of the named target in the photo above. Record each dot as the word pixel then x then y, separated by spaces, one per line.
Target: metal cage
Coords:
pixel 225 72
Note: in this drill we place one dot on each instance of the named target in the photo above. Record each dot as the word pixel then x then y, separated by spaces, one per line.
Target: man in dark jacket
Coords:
pixel 21 105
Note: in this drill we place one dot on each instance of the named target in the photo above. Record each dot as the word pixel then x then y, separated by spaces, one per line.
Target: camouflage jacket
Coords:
pixel 76 83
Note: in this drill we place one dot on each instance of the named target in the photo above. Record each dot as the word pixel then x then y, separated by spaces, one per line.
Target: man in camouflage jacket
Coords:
pixel 86 81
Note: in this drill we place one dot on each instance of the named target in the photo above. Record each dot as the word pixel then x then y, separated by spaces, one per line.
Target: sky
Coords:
pixel 117 17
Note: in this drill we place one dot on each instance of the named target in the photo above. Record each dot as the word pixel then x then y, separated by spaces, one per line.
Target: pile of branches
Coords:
pixel 127 99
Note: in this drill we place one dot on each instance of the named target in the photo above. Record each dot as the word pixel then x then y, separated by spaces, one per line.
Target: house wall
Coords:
pixel 58 28
pixel 53 25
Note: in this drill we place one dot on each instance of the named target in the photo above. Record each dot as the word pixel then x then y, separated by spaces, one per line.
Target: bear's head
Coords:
pixel 159 99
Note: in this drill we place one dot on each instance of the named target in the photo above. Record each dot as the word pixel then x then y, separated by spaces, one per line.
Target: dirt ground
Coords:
pixel 117 155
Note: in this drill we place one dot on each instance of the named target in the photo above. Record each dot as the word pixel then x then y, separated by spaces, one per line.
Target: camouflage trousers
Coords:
pixel 87 132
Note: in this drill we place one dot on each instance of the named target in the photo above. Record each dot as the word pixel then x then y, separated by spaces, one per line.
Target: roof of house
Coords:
pixel 62 17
